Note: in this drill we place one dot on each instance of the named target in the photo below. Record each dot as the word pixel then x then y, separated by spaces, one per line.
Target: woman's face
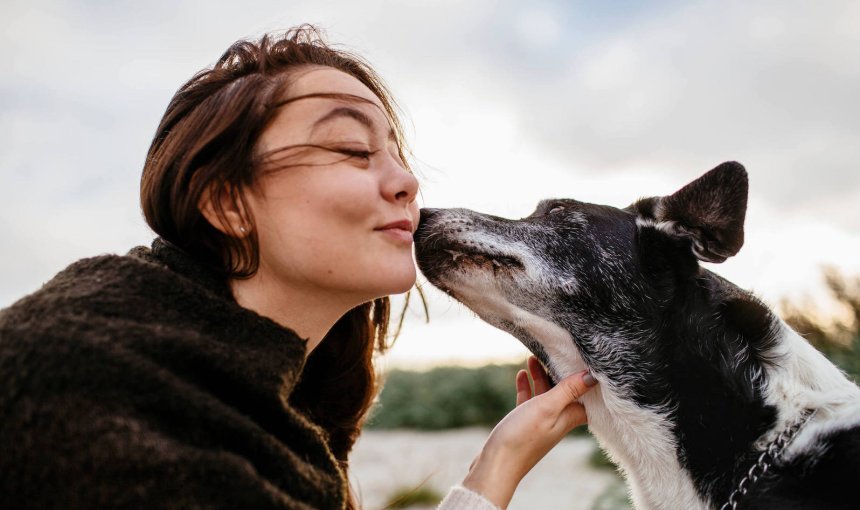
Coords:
pixel 335 206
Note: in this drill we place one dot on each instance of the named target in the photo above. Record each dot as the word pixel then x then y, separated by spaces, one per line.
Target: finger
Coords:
pixel 568 390
pixel 572 416
pixel 524 390
pixel 542 384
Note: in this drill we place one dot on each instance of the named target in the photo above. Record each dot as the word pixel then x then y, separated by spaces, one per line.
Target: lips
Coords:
pixel 402 225
pixel 400 230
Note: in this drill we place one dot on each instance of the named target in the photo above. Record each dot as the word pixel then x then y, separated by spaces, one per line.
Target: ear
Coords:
pixel 709 211
pixel 224 210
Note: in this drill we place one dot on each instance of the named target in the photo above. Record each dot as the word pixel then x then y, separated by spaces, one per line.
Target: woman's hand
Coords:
pixel 528 432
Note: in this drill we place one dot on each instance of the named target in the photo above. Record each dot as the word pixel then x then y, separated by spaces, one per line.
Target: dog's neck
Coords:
pixel 682 438
pixel 675 455
pixel 641 442
pixel 700 422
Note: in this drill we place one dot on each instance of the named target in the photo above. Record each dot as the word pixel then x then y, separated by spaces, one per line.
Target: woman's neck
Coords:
pixel 310 313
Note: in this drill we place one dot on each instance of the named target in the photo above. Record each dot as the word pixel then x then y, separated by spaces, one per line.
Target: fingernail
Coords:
pixel 589 379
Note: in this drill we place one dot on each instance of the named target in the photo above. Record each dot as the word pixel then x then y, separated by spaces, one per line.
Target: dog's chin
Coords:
pixel 483 267
pixel 453 256
pixel 472 282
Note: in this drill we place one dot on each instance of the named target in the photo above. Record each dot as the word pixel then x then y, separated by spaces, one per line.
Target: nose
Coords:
pixel 399 185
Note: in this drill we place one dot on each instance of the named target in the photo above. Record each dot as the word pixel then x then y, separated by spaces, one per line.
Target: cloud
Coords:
pixel 772 85
pixel 510 102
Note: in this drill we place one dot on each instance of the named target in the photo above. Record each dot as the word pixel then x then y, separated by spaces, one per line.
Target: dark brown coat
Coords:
pixel 137 381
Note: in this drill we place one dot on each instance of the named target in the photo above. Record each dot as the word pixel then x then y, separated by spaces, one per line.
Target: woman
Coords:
pixel 230 364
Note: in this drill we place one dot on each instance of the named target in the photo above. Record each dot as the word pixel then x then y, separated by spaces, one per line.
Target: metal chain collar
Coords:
pixel 770 455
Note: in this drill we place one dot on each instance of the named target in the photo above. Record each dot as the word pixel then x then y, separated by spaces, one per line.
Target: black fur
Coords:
pixel 643 312
pixel 825 479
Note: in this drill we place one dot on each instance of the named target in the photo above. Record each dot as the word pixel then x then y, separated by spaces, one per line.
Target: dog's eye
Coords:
pixel 556 209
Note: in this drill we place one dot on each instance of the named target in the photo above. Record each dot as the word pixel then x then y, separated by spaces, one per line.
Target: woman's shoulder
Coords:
pixel 159 286
pixel 80 290
pixel 143 306
pixel 90 276
pixel 127 364
pixel 95 308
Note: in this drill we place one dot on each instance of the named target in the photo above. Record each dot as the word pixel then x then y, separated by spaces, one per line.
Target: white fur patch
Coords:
pixel 666 226
pixel 535 272
pixel 805 379
pixel 641 442
pixel 481 294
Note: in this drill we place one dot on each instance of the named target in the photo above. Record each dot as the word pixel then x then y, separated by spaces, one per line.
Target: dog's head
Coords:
pixel 611 280
pixel 689 365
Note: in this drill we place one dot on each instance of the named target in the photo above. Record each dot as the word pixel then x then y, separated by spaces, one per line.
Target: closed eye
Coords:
pixel 355 153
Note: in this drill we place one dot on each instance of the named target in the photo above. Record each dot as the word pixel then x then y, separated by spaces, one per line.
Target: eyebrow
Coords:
pixel 345 111
pixel 351 113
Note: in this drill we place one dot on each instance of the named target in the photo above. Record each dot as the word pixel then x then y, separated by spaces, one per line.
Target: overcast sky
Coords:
pixel 506 102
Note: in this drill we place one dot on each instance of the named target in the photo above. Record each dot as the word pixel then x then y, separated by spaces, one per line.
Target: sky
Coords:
pixel 505 103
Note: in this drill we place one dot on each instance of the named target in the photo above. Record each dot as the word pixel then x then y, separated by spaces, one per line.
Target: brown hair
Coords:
pixel 205 143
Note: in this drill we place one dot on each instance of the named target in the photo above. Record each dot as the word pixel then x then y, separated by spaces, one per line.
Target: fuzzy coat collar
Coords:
pixel 137 381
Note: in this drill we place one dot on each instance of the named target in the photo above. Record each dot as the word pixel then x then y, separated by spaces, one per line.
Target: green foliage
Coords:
pixel 839 341
pixel 446 397
pixel 599 460
pixel 406 497
pixel 614 497
pixel 845 357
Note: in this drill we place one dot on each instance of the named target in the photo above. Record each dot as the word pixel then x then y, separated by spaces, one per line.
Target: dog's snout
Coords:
pixel 426 214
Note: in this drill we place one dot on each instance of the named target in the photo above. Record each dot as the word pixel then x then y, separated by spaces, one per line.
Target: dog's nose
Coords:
pixel 426 214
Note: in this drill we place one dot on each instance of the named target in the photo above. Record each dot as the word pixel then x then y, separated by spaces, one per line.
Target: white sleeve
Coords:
pixel 461 498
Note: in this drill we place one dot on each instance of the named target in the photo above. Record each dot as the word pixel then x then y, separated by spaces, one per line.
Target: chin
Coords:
pixel 399 278
pixel 402 286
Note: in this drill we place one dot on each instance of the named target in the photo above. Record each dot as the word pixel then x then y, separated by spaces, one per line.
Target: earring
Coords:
pixel 242 230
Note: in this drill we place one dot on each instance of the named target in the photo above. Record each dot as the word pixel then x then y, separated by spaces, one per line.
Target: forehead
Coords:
pixel 310 95
pixel 596 216
pixel 327 80
pixel 576 205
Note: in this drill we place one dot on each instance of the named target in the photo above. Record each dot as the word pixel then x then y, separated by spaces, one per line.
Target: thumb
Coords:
pixel 573 415
pixel 571 388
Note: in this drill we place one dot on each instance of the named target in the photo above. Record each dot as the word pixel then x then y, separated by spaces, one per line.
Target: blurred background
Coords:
pixel 505 103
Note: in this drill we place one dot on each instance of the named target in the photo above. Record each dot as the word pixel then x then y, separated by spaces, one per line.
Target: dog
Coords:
pixel 707 399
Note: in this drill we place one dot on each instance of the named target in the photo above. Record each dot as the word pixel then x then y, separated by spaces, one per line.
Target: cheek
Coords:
pixel 350 209
pixel 309 223
pixel 320 205
pixel 315 229
pixel 322 231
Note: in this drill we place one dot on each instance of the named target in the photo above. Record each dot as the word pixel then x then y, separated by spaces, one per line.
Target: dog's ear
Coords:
pixel 709 211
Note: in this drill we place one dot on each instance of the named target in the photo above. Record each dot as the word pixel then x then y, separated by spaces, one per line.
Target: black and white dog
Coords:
pixel 706 398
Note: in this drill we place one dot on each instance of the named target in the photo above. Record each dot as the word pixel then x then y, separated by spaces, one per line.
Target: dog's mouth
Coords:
pixel 466 257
